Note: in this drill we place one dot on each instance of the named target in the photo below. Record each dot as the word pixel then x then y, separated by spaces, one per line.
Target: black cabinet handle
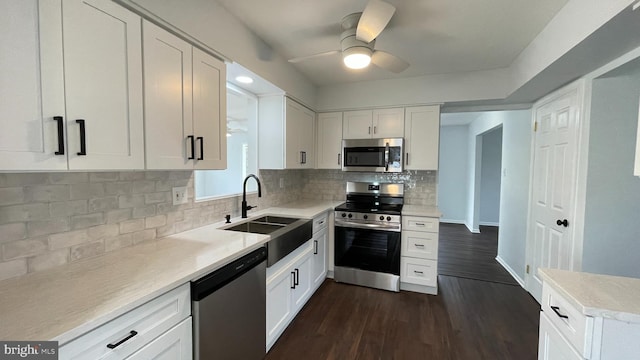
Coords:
pixel 301 157
pixel 132 333
pixel 201 139
pixel 406 159
pixel 193 147
pixel 297 277
pixel 293 277
pixel 83 139
pixel 564 222
pixel 556 309
pixel 60 121
pixel 315 247
pixel 418 272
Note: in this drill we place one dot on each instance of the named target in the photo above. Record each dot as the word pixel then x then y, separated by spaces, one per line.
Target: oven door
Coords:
pixel 366 248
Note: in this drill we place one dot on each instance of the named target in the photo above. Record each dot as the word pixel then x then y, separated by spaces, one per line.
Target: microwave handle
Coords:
pixel 386 158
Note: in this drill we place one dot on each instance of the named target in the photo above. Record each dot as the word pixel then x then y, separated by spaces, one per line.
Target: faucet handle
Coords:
pixel 249 207
pixel 228 217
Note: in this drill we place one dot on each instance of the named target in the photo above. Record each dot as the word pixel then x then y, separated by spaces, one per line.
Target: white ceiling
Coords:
pixel 434 36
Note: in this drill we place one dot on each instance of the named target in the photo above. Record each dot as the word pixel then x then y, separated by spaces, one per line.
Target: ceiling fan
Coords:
pixel 358 38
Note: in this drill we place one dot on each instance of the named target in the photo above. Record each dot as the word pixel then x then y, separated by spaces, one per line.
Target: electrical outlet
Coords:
pixel 281 183
pixel 180 195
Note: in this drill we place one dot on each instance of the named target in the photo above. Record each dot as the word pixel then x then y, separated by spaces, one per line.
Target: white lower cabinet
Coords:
pixel 156 329
pixel 287 291
pixel 552 345
pixel 175 344
pixel 320 242
pixel 419 254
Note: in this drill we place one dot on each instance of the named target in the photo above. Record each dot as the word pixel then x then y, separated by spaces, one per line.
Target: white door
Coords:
pixel 329 141
pixel 319 258
pixel 422 137
pixel 31 86
pixel 357 124
pixel 279 306
pixel 209 111
pixel 553 187
pixel 175 344
pixel 388 123
pixel 302 290
pixel 103 85
pixel 294 118
pixel 167 100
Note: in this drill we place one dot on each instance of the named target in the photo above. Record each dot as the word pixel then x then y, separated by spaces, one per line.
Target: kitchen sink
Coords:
pixel 256 227
pixel 287 234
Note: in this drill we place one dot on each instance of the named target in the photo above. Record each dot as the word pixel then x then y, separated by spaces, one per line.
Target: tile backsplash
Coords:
pixel 50 219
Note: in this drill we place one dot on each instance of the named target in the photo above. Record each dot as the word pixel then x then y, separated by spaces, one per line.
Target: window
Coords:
pixel 242 149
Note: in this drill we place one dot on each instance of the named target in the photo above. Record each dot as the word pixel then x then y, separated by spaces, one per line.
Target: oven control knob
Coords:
pixel 344 215
pixel 388 218
pixel 365 217
pixel 381 217
pixel 350 216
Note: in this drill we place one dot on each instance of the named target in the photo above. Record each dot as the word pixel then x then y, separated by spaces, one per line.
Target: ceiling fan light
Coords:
pixel 357 57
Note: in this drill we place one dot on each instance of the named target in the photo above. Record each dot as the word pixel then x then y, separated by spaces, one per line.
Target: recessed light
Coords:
pixel 244 79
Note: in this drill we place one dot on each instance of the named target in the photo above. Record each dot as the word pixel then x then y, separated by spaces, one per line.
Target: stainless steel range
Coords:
pixel 367 235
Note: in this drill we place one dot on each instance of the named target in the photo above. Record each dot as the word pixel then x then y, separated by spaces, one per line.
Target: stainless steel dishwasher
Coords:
pixel 229 310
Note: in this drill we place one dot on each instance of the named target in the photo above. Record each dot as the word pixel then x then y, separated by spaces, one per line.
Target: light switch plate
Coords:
pixel 180 195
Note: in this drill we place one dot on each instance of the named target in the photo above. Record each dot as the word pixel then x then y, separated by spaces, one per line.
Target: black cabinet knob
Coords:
pixel 564 222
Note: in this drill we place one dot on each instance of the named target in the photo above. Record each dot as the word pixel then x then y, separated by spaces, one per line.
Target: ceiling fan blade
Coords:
pixel 374 19
pixel 308 57
pixel 388 61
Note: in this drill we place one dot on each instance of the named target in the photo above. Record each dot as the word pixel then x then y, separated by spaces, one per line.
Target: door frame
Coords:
pixel 580 161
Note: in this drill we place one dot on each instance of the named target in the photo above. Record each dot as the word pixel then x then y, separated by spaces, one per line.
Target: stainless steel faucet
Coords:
pixel 246 207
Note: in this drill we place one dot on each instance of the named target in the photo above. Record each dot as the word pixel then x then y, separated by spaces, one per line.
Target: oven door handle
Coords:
pixel 357 225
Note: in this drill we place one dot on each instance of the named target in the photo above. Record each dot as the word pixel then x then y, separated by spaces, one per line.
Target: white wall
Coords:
pixel 514 191
pixel 612 231
pixel 214 26
pixel 491 163
pixel 452 173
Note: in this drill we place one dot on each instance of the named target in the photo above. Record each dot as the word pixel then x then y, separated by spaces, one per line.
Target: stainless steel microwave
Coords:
pixel 375 155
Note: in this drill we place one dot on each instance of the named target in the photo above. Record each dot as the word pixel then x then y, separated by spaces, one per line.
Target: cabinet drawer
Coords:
pixel 416 223
pixel 570 322
pixel 418 271
pixel 418 244
pixel 552 345
pixel 320 222
pixel 148 321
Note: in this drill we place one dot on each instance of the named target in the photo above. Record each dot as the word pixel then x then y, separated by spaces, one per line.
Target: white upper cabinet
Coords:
pixel 103 85
pixel 329 141
pixel 379 123
pixel 185 115
pixel 31 86
pixel 636 168
pixel 75 106
pixel 422 137
pixel 286 134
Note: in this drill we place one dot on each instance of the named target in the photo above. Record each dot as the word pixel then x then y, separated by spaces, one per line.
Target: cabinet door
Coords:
pixel 175 344
pixel 306 138
pixel 302 290
pixel 388 123
pixel 209 111
pixel 636 167
pixel 422 137
pixel 552 345
pixel 357 124
pixel 31 85
pixel 319 258
pixel 329 141
pixel 103 85
pixel 279 305
pixel 294 118
pixel 167 99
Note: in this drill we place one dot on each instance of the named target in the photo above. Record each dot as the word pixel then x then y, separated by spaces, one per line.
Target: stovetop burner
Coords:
pixel 372 202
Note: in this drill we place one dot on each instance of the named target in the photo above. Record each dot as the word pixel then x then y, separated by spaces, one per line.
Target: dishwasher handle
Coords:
pixel 208 284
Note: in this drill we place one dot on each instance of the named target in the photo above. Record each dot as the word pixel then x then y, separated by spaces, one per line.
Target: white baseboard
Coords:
pixel 475 231
pixel 510 271
pixel 451 221
pixel 487 223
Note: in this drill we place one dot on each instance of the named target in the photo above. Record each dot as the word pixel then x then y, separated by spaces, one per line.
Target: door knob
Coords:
pixel 564 222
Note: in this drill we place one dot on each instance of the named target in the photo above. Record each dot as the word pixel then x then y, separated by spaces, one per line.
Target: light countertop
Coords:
pixel 70 300
pixel 611 297
pixel 421 210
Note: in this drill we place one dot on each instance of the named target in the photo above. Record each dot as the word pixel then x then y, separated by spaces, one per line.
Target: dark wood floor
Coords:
pixel 479 313
pixel 462 253
pixel 469 319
